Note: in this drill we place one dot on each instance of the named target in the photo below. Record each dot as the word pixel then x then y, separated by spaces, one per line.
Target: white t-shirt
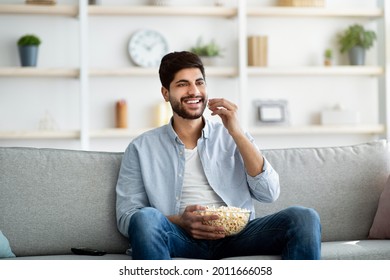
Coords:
pixel 196 188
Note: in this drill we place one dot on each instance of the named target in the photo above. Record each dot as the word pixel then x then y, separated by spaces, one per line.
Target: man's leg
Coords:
pixel 293 233
pixel 153 236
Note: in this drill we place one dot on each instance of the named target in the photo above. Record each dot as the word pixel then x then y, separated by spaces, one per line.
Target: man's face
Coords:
pixel 187 93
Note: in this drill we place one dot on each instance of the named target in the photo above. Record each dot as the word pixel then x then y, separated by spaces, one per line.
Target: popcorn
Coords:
pixel 232 219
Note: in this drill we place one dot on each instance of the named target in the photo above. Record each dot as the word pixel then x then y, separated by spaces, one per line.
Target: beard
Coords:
pixel 179 109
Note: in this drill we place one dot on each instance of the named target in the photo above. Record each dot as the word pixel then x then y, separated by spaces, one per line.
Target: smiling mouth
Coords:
pixel 193 100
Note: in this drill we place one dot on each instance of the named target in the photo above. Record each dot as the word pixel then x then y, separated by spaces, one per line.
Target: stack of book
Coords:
pixel 41 2
pixel 257 51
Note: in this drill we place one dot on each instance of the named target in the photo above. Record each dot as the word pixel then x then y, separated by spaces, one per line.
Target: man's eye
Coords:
pixel 181 85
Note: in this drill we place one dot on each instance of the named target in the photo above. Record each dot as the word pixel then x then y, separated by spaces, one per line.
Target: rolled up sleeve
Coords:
pixel 265 186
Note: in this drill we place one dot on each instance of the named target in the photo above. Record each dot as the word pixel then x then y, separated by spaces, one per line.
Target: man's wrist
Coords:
pixel 174 219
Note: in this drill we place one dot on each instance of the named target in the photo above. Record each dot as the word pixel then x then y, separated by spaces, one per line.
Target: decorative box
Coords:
pixel 302 3
pixel 339 117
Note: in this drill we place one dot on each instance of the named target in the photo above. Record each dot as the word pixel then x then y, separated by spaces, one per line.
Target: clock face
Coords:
pixel 147 47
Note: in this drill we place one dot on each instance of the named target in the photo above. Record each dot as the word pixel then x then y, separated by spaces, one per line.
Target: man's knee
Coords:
pixel 145 219
pixel 304 216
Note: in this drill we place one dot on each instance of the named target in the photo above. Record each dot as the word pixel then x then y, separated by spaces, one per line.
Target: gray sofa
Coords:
pixel 52 200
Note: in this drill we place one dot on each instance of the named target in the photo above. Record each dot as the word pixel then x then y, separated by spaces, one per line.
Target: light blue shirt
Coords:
pixel 151 174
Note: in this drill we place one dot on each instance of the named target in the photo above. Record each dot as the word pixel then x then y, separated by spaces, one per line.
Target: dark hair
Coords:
pixel 173 62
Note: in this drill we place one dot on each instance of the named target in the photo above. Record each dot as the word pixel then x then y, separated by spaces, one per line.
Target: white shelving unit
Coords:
pixel 242 13
pixel 379 14
pixel 66 11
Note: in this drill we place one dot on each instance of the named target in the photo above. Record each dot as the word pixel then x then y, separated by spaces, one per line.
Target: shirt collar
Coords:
pixel 172 133
pixel 206 129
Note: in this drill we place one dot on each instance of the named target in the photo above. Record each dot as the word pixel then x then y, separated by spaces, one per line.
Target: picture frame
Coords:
pixel 272 112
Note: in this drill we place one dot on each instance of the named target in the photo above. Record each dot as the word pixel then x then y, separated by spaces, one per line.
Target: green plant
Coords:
pixel 356 35
pixel 328 53
pixel 29 40
pixel 209 49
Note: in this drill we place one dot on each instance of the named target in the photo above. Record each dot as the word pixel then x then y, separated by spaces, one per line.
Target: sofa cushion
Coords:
pixel 5 249
pixel 356 250
pixel 380 228
pixel 52 200
pixel 342 183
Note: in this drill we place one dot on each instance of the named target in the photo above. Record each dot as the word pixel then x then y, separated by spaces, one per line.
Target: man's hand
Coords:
pixel 192 223
pixel 228 113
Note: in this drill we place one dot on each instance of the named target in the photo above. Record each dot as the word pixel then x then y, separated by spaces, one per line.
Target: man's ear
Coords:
pixel 165 93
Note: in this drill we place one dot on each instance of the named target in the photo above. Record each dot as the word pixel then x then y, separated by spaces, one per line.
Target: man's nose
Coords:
pixel 193 89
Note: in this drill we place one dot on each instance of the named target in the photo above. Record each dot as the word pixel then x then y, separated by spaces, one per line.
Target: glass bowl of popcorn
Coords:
pixel 232 219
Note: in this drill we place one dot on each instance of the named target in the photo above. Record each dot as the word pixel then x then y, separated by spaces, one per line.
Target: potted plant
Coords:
pixel 28 49
pixel 356 40
pixel 328 57
pixel 207 51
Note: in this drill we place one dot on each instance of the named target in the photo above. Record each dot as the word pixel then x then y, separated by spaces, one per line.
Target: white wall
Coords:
pixel 292 42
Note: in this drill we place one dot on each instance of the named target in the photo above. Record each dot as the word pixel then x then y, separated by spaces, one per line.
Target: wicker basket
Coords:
pixel 302 3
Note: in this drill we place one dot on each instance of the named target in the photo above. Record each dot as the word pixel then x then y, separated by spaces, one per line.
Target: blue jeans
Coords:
pixel 293 233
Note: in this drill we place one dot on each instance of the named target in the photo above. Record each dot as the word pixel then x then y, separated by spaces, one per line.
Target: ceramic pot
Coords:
pixel 209 60
pixel 94 2
pixel 28 55
pixel 357 55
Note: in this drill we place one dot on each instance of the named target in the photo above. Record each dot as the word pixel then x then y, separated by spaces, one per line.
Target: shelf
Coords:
pixel 40 134
pixel 161 11
pixel 55 10
pixel 227 12
pixel 313 12
pixel 317 71
pixel 117 132
pixel 39 72
pixel 318 129
pixel 138 71
pixel 130 133
pixel 102 72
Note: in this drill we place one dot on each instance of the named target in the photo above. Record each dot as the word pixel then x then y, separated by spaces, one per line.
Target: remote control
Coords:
pixel 87 251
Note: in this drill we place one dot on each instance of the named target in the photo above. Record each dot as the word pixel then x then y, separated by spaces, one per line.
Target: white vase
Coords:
pixel 209 60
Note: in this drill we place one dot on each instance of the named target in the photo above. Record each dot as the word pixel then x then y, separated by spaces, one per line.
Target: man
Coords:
pixel 172 171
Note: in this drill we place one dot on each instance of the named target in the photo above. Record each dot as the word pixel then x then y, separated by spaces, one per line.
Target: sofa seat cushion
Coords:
pixel 356 250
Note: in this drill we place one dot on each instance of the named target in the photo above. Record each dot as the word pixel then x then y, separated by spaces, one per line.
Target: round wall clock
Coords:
pixel 147 47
